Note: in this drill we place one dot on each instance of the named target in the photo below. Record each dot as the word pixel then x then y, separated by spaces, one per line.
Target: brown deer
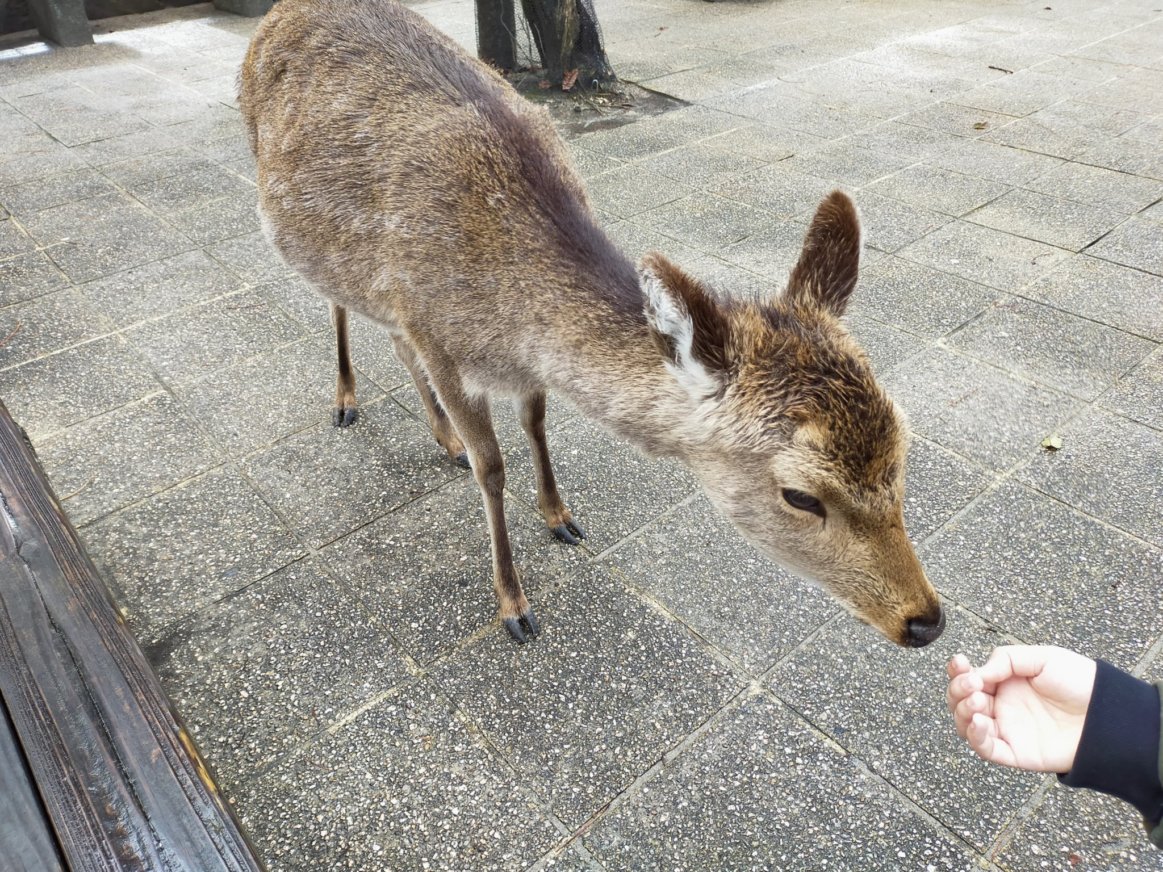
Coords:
pixel 409 182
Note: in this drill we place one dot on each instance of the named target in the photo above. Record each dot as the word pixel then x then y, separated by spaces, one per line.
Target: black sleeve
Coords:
pixel 1119 752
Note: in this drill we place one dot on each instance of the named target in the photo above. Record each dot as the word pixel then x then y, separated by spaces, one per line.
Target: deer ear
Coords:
pixel 688 324
pixel 825 275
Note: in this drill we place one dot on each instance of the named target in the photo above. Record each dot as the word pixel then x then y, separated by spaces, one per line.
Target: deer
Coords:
pixel 408 182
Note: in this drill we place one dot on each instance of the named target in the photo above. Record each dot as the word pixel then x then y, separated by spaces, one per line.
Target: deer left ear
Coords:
pixel 688 324
pixel 825 275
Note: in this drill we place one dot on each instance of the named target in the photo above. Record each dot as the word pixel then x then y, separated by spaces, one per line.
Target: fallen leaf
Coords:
pixel 544 84
pixel 980 125
pixel 568 80
pixel 1052 442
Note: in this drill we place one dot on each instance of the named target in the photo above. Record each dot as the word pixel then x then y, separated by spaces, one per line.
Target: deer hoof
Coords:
pixel 461 460
pixel 517 627
pixel 344 416
pixel 570 532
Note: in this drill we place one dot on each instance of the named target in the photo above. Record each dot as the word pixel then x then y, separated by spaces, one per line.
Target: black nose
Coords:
pixel 926 629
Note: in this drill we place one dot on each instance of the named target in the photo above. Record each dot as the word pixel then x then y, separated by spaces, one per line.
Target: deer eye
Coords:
pixel 804 502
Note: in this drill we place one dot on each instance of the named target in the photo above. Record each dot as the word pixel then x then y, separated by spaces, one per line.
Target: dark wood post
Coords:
pixel 496 33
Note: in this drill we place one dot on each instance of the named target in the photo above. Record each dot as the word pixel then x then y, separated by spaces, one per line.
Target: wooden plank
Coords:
pixel 27 842
pixel 118 776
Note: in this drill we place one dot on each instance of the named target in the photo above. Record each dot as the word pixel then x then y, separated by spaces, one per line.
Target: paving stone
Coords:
pixel 143 169
pixel 385 460
pixel 708 221
pixel 589 163
pixel 1022 93
pixel 888 725
pixel 1053 220
pixel 264 670
pixel 886 346
pixel 708 164
pixel 943 190
pixel 1103 291
pixel 984 255
pixel 611 489
pixel 793 802
pixel 1137 243
pixel 196 187
pixel 996 163
pixel 910 142
pixel 201 340
pixel 974 409
pixel 74 115
pixel 46 324
pixel 766 143
pixel 28 276
pixel 923 300
pixel 100 466
pixel 702 571
pixel 1052 347
pixel 182 550
pixel 251 257
pixel 938 484
pixel 103 235
pixel 255 403
pixel 373 354
pixel 405 785
pixel 54 191
pixel 14 240
pixel 1098 187
pixel 219 220
pixel 961 120
pixel 425 570
pixel 602 693
pixel 771 252
pixel 1080 829
pixel 295 297
pixel 1044 574
pixel 779 190
pixel 847 164
pixel 631 189
pixel 1125 154
pixel 159 288
pixel 1139 395
pixel 889 224
pixel 44 157
pixel 1108 467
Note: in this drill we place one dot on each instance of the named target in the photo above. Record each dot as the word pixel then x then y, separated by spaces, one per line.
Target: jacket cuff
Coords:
pixel 1119 752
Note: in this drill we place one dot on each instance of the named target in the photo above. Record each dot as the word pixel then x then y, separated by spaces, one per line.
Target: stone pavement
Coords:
pixel 317 601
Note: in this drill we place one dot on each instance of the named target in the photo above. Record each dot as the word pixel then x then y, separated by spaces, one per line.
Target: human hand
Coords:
pixel 1024 707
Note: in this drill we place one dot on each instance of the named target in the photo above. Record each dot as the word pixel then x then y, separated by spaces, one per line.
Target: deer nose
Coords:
pixel 926 628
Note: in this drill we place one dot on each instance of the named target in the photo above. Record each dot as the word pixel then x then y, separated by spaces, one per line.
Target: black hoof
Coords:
pixel 461 460
pixel 522 628
pixel 344 416
pixel 570 532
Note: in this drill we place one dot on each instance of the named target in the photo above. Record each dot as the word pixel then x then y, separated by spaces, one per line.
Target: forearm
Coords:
pixel 1120 751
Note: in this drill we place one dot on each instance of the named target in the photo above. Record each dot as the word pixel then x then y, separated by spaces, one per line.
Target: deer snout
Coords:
pixel 926 628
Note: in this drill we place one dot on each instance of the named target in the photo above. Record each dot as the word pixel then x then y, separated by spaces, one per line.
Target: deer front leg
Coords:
pixel 532 411
pixel 438 421
pixel 346 410
pixel 474 422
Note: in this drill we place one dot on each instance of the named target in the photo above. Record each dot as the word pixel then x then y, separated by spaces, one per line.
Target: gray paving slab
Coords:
pixel 45 324
pixel 889 224
pixel 708 221
pixel 848 163
pixel 996 163
pixel 381 462
pixel 251 257
pixel 1137 242
pixel 938 485
pixel 295 297
pixel 27 276
pixel 1099 187
pixel 1120 296
pixel 1045 574
pixel 974 409
pixel 608 687
pixel 1052 220
pixel 771 252
pixel 627 190
pixel 920 299
pixel 260 672
pixel 54 190
pixel 1109 467
pixel 99 466
pixel 1052 347
pixel 425 570
pixel 66 388
pixel 252 404
pixel 191 345
pixel 793 802
pixel 879 725
pixel 698 567
pixel 159 288
pixel 943 190
pixel 886 346
pixel 404 785
pixel 611 489
pixel 1139 394
pixel 14 240
pixel 177 552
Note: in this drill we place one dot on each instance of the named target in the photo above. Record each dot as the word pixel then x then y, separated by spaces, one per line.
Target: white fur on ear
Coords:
pixel 668 315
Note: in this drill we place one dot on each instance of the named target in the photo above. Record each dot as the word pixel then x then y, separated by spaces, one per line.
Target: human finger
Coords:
pixel 975 703
pixel 957 665
pixel 1008 661
pixel 983 737
pixel 961 686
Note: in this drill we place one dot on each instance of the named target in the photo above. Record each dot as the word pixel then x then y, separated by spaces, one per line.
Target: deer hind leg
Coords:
pixel 531 408
pixel 475 424
pixel 346 410
pixel 438 421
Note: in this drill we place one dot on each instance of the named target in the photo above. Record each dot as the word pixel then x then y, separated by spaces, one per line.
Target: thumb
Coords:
pixel 1008 661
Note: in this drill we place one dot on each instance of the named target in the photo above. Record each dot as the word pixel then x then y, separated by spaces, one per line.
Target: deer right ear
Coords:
pixel 689 325
pixel 825 275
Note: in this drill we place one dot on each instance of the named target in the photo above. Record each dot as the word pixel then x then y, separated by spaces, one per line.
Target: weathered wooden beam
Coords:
pixel 27 842
pixel 117 775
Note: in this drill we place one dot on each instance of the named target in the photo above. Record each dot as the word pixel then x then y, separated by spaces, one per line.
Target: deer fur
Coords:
pixel 408 182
